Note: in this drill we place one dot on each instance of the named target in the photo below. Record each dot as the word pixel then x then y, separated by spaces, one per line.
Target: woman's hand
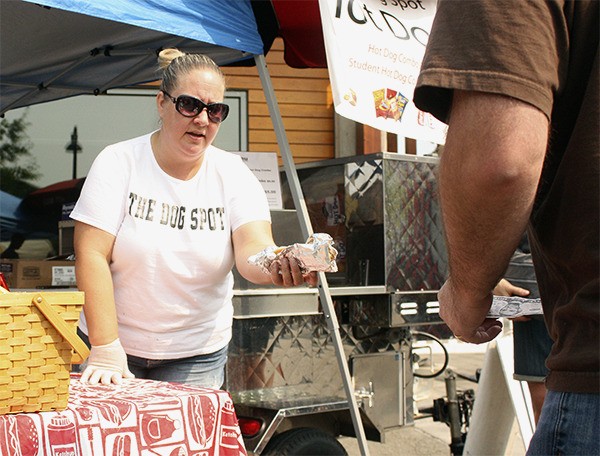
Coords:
pixel 287 273
pixel 106 364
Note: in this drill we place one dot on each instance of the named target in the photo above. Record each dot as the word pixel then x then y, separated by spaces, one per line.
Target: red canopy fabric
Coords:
pixel 302 33
pixel 69 186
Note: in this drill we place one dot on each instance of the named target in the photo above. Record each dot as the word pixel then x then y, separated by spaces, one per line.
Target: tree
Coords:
pixel 17 165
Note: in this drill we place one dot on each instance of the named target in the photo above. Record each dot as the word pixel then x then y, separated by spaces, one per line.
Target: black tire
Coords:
pixel 304 442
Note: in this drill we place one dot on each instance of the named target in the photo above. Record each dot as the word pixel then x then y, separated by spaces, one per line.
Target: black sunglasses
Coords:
pixel 189 106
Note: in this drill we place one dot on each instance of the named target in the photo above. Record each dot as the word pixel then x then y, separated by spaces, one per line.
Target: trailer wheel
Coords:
pixel 304 442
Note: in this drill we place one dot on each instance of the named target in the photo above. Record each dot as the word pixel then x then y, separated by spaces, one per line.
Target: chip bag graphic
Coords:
pixel 389 104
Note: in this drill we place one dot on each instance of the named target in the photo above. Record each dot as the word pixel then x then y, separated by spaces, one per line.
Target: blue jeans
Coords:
pixel 568 425
pixel 532 344
pixel 203 370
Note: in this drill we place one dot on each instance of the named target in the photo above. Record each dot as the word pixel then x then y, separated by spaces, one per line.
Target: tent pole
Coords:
pixel 300 204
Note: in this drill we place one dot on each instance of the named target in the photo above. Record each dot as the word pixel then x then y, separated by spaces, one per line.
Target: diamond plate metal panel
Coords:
pixel 414 244
pixel 284 351
pixel 391 229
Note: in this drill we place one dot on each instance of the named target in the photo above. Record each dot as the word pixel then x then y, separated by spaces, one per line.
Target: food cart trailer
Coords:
pixel 381 210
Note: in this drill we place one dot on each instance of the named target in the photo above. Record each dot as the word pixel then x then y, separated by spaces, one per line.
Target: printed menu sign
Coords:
pixel 265 167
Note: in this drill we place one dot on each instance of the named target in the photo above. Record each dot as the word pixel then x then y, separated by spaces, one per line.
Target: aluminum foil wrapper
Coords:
pixel 514 306
pixel 317 254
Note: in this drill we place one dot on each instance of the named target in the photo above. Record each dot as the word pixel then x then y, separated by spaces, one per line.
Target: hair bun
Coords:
pixel 166 56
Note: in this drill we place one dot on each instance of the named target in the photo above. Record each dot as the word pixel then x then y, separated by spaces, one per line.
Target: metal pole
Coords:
pixel 456 445
pixel 74 147
pixel 305 225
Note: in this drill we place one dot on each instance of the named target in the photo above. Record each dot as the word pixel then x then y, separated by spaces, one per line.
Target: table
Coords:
pixel 138 417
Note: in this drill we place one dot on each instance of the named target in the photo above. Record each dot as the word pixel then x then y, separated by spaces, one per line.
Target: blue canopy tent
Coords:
pixel 68 48
pixel 54 49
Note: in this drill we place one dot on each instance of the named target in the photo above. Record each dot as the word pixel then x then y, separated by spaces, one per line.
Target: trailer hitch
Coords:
pixel 455 410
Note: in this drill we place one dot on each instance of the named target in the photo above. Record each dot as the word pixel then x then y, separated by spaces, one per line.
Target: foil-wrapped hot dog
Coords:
pixel 317 254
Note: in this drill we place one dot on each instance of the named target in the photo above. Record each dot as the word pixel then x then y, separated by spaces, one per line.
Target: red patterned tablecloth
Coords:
pixel 139 417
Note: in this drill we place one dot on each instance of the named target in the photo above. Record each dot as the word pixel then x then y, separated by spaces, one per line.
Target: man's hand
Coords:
pixel 505 288
pixel 106 364
pixel 466 317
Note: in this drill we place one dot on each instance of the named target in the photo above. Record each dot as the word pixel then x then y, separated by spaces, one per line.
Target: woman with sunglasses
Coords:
pixel 160 223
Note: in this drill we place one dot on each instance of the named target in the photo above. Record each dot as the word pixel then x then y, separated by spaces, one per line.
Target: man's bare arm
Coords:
pixel 488 178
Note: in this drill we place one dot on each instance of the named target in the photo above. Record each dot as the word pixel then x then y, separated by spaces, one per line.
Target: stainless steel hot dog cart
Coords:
pixel 382 212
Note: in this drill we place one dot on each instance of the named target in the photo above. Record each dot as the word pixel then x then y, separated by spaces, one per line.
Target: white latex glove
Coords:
pixel 106 364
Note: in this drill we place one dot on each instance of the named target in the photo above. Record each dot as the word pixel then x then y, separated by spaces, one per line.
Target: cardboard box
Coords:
pixel 25 274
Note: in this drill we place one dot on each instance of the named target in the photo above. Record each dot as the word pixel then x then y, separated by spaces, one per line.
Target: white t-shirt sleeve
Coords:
pixel 104 194
pixel 247 199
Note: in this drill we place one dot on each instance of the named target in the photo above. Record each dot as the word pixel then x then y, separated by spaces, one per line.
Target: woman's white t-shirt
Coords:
pixel 173 254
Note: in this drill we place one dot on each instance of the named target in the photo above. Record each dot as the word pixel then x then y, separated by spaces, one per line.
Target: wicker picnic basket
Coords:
pixel 38 344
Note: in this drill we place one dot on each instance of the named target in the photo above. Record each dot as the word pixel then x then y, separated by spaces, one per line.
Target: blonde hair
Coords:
pixel 173 63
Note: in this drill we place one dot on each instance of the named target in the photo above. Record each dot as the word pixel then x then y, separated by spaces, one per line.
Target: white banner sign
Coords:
pixel 374 51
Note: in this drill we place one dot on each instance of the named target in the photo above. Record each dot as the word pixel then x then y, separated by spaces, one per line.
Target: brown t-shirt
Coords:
pixel 544 53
